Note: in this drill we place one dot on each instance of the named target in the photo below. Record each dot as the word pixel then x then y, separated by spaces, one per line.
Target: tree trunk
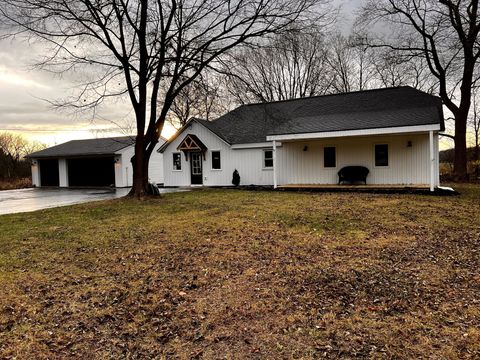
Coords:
pixel 460 161
pixel 140 162
pixel 140 171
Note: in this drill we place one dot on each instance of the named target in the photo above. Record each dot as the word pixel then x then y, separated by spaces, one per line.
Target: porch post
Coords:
pixel 432 162
pixel 274 164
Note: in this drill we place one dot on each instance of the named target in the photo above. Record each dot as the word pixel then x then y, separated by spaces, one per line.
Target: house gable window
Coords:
pixel 329 157
pixel 177 161
pixel 267 159
pixel 216 162
pixel 381 155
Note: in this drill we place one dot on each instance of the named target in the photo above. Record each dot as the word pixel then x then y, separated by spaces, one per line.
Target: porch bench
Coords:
pixel 353 174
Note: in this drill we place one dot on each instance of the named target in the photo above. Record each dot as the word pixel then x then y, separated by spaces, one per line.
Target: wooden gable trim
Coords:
pixel 191 143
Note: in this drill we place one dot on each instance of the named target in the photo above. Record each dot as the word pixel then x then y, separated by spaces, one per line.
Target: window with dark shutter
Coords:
pixel 381 155
pixel 329 157
pixel 216 164
pixel 177 161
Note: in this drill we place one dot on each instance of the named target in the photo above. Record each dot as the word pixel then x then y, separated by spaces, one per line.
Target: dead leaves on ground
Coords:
pixel 329 275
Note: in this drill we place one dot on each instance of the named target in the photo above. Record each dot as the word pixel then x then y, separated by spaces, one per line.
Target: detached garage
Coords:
pixel 91 163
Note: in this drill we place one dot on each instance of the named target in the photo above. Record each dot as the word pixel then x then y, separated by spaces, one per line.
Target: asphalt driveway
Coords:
pixel 23 200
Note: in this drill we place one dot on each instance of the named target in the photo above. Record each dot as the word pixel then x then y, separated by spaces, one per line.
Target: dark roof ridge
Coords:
pixel 336 94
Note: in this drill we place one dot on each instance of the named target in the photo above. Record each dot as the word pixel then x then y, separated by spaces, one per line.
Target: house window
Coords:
pixel 216 164
pixel 381 155
pixel 177 161
pixel 268 159
pixel 329 157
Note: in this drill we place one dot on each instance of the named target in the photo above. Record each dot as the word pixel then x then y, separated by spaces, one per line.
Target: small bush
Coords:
pixel 236 178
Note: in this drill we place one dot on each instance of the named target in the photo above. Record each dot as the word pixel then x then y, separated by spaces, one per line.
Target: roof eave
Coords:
pixel 356 132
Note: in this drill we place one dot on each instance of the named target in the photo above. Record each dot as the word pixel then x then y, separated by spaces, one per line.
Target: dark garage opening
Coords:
pixel 49 172
pixel 91 172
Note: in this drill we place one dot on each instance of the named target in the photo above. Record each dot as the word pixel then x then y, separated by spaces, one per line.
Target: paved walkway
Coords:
pixel 23 200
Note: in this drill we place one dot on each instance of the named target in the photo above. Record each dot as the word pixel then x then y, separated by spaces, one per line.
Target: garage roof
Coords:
pixel 88 147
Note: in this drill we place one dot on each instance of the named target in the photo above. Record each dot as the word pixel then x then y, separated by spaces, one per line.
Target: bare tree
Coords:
pixel 13 149
pixel 288 66
pixel 350 64
pixel 446 34
pixel 138 47
pixel 203 98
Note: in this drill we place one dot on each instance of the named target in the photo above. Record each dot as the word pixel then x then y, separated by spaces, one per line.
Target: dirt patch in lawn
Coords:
pixel 238 274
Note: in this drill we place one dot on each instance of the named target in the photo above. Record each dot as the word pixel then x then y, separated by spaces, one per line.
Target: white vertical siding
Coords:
pixel 248 162
pixel 407 165
pixel 436 152
pixel 155 167
pixel 125 167
pixel 124 178
pixel 35 173
pixel 63 172
pixel 119 181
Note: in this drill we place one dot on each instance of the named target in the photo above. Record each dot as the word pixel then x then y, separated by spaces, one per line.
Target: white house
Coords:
pixel 91 163
pixel 392 132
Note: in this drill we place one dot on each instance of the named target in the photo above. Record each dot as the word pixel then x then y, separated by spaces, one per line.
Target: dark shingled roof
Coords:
pixel 379 108
pixel 88 147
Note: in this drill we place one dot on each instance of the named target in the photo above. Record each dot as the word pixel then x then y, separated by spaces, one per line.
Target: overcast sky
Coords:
pixel 23 90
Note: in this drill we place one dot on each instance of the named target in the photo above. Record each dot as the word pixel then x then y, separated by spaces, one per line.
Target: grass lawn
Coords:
pixel 239 274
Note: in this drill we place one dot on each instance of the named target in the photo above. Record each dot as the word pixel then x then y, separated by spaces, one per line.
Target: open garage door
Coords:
pixel 49 172
pixel 91 171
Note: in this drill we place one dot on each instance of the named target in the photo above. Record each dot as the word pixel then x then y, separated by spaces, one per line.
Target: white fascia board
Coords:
pixel 255 145
pixel 121 151
pixel 364 132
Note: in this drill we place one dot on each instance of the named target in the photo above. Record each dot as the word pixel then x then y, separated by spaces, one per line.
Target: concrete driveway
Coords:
pixel 23 200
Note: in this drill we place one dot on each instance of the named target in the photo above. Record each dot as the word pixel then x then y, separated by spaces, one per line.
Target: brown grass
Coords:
pixel 15 184
pixel 238 274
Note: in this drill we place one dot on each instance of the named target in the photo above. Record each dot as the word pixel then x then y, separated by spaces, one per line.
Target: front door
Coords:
pixel 196 168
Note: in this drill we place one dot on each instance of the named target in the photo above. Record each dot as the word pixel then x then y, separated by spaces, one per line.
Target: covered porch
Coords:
pixel 396 158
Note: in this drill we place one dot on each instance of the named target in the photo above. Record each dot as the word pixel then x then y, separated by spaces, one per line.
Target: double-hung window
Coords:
pixel 177 161
pixel 267 159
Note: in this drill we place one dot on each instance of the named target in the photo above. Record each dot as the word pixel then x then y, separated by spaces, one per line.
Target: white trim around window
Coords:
pixel 388 155
pixel 336 156
pixel 173 161
pixel 264 159
pixel 211 160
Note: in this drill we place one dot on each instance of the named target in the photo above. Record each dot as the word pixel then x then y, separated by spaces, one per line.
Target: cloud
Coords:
pixel 24 91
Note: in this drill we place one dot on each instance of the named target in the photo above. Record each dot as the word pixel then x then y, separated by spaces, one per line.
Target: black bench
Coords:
pixel 353 174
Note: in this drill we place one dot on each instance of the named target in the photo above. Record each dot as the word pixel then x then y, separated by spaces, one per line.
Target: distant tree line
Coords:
pixel 13 149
